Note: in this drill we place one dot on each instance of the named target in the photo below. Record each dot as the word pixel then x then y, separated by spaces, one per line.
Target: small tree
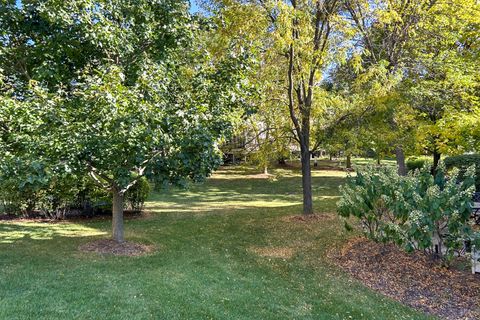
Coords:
pixel 110 90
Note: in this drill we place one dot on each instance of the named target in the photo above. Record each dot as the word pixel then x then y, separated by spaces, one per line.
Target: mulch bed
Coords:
pixel 413 279
pixel 108 246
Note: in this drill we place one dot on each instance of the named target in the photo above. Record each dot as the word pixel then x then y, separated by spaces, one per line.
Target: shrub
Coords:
pixel 33 188
pixel 136 196
pixel 417 212
pixel 23 185
pixel 367 196
pixel 414 163
pixel 462 162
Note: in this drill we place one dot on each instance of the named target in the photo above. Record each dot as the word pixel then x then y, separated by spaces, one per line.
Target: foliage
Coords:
pixel 417 212
pixel 417 162
pixel 366 195
pixel 463 162
pixel 59 195
pixel 415 65
pixel 297 42
pixel 114 91
pixel 136 196
pixel 443 86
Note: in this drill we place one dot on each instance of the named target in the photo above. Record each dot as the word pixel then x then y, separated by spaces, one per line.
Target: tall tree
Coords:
pixel 308 37
pixel 301 38
pixel 384 34
pixel 444 81
pixel 422 44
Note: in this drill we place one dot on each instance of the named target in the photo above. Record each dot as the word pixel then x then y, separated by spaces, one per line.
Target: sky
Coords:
pixel 194 7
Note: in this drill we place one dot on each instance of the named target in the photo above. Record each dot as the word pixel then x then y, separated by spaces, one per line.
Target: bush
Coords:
pixel 462 162
pixel 417 212
pixel 136 196
pixel 414 163
pixel 366 196
pixel 24 185
pixel 31 188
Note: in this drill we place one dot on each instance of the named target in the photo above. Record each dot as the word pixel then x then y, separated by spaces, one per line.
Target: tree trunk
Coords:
pixel 306 181
pixel 265 169
pixel 400 156
pixel 349 161
pixel 330 156
pixel 117 217
pixel 436 159
pixel 379 160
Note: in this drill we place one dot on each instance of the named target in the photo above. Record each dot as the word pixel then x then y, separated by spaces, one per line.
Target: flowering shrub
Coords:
pixel 417 212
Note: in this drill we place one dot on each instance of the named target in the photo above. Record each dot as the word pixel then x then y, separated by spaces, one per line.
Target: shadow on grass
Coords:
pixel 11 232
pixel 217 195
pixel 244 193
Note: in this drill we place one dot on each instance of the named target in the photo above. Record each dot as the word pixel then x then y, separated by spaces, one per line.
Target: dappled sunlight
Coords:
pixel 242 172
pixel 329 173
pixel 327 197
pixel 240 188
pixel 205 205
pixel 11 232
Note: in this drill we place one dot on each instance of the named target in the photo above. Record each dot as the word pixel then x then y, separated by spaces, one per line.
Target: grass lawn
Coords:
pixel 225 249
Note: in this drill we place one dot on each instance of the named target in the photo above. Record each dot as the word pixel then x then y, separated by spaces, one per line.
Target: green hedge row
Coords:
pixel 414 163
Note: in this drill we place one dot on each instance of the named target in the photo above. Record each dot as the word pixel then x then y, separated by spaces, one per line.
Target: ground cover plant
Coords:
pixel 226 249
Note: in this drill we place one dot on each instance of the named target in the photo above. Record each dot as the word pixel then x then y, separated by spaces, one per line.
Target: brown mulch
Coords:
pixel 109 246
pixel 413 279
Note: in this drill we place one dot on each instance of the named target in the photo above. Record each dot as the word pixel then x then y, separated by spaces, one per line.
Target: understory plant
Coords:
pixel 417 212
pixel 462 162
pixel 35 187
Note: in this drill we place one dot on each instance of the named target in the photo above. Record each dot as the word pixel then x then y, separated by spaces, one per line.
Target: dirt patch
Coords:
pixel 413 279
pixel 108 246
pixel 273 252
pixel 307 218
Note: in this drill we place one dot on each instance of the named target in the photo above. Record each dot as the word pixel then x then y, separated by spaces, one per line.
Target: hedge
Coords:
pixel 414 163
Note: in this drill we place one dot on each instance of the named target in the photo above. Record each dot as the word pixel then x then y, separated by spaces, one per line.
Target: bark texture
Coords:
pixel 400 157
pixel 307 182
pixel 349 161
pixel 117 217
pixel 436 160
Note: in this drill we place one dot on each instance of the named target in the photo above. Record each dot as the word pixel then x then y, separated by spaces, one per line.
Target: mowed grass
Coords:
pixel 225 249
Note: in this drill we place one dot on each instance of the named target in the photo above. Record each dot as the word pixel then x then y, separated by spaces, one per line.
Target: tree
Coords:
pixel 384 32
pixel 444 80
pixel 422 43
pixel 308 37
pixel 117 91
pixel 301 39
